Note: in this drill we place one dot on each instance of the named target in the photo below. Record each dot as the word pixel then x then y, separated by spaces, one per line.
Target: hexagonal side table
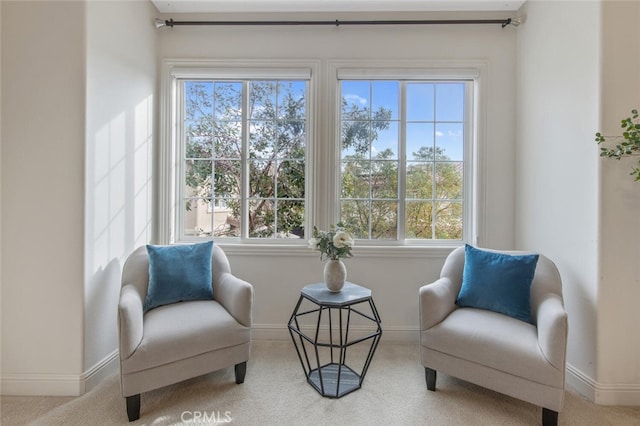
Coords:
pixel 332 377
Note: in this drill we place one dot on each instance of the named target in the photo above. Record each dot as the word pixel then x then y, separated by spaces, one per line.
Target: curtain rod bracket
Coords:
pixel 515 22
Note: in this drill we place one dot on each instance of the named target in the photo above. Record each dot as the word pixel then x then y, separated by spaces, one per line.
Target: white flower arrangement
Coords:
pixel 333 244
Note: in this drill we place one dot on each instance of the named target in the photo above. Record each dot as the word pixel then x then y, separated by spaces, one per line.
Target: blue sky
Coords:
pixel 434 113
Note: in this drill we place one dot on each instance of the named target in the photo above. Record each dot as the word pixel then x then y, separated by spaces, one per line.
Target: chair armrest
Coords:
pixel 130 320
pixel 552 329
pixel 236 296
pixel 437 300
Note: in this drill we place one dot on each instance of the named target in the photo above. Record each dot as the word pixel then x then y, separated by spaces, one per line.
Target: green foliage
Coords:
pixel 378 178
pixel 628 144
pixel 277 137
pixel 276 166
pixel 356 132
pixel 434 186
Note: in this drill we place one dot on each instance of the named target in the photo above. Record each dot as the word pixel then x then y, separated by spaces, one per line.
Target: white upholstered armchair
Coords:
pixel 525 360
pixel 178 341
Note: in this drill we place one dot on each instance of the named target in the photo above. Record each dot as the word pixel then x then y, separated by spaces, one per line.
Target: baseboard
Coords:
pixel 101 370
pixel 619 394
pixel 602 393
pixel 277 332
pixel 580 382
pixel 22 384
pixel 25 384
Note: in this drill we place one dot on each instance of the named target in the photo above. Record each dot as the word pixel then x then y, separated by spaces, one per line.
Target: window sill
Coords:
pixel 369 251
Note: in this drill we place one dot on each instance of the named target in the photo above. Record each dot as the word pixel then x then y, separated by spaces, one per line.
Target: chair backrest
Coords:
pixel 219 262
pixel 545 280
pixel 136 271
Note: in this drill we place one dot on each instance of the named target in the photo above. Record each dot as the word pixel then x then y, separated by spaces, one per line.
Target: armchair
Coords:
pixel 520 359
pixel 178 341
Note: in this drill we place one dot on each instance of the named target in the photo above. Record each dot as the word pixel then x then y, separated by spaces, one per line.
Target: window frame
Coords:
pixel 170 159
pixel 446 71
pixel 323 148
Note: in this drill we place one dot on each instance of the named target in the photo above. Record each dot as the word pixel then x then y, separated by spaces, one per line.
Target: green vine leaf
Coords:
pixel 627 145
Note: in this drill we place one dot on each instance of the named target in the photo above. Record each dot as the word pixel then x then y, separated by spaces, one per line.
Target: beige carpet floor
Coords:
pixel 276 393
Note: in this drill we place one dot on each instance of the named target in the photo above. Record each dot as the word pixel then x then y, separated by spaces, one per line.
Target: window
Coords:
pixel 259 151
pixel 404 156
pixel 242 151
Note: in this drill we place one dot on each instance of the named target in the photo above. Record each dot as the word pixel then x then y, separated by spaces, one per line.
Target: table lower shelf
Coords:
pixel 331 374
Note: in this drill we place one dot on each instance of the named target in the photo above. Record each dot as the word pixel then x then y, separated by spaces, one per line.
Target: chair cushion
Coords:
pixel 495 341
pixel 498 282
pixel 178 273
pixel 182 330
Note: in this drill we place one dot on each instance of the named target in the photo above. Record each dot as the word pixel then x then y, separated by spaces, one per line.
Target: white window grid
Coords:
pixel 322 207
pixel 404 78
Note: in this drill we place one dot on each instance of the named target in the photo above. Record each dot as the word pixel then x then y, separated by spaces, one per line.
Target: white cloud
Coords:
pixel 450 133
pixel 350 98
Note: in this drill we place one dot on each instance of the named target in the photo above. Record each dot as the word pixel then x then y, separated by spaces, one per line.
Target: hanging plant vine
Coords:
pixel 628 144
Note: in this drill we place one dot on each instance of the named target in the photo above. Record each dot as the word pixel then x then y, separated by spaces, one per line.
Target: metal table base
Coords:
pixel 335 378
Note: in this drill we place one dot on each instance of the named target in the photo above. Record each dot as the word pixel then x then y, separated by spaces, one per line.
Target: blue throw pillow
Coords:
pixel 179 273
pixel 498 282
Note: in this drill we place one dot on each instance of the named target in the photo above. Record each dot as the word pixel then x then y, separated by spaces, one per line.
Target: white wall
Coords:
pixel 78 96
pixel 0 184
pixel 556 202
pixel 43 112
pixel 278 276
pixel 580 211
pixel 121 87
pixel 619 279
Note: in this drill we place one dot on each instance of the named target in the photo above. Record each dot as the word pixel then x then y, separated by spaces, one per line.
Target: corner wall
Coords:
pixel 618 380
pixel 0 181
pixel 121 98
pixel 77 111
pixel 580 210
pixel 557 178
pixel 43 115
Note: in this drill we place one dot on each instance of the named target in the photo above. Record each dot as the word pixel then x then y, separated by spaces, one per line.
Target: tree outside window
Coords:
pixel 243 146
pixel 395 135
pixel 252 128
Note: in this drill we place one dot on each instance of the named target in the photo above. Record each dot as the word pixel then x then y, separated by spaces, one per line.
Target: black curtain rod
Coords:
pixel 337 23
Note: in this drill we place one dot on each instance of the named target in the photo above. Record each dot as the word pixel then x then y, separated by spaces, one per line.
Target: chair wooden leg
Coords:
pixel 430 376
pixel 549 417
pixel 241 371
pixel 133 407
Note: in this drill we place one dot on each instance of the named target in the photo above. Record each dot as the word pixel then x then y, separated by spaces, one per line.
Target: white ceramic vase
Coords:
pixel 335 274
